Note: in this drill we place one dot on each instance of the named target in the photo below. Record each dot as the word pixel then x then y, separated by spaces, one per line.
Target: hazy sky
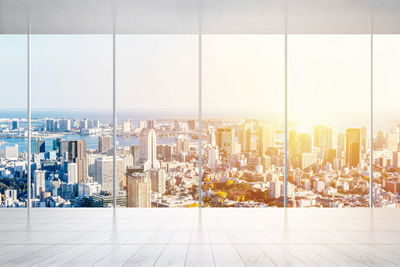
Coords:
pixel 329 75
pixel 329 79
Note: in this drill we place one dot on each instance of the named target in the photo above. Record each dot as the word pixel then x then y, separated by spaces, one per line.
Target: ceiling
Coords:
pixel 205 16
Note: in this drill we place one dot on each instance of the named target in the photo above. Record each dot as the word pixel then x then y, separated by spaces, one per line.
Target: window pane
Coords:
pixel 386 185
pixel 157 114
pixel 71 113
pixel 13 121
pixel 243 96
pixel 328 115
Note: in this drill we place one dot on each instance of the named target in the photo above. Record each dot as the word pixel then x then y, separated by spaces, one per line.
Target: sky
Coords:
pixel 243 75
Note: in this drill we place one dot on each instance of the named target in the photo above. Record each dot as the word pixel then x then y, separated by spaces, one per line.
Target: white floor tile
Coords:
pixel 199 255
pixel 172 255
pixel 226 255
pixel 147 255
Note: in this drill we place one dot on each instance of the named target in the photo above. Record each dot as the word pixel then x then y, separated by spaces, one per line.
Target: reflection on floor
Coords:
pixel 199 237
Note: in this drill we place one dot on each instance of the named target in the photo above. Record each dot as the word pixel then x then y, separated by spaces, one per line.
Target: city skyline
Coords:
pixel 242 163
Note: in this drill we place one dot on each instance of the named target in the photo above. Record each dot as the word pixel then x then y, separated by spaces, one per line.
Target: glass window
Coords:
pixel 243 104
pixel 157 101
pixel 72 88
pixel 386 182
pixel 13 121
pixel 328 117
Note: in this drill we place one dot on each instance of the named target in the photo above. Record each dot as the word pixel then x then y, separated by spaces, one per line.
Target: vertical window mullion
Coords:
pixel 29 107
pixel 371 196
pixel 286 114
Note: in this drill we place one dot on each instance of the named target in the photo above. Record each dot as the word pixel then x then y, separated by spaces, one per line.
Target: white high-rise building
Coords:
pixel 148 149
pixel 275 189
pixel 213 155
pixel 104 173
pixel 39 182
pixel 72 173
pixel 126 126
pixel 11 152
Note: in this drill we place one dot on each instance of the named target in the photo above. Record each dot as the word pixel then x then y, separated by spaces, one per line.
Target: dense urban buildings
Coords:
pixel 157 165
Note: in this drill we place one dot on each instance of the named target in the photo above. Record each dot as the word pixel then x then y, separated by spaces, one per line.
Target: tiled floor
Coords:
pixel 200 237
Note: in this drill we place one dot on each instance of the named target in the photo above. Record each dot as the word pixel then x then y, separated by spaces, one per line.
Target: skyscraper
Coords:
pixel 50 124
pixel 38 146
pixel 182 144
pixel 14 125
pixel 135 153
pixel 104 173
pixel 83 124
pixel 332 138
pixel 151 124
pixel 142 124
pixel 321 136
pixel 165 152
pixel 61 146
pixel 139 190
pixel 266 138
pixel 245 137
pixel 364 139
pixel 294 150
pixel 158 177
pixel 104 144
pixel 126 126
pixel 96 124
pixel 225 138
pixel 213 156
pixel 72 173
pixel 305 141
pixel 39 182
pixel 275 189
pixel 308 160
pixel 77 153
pixel 353 152
pixel 65 125
pixel 148 149
pixel 341 144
